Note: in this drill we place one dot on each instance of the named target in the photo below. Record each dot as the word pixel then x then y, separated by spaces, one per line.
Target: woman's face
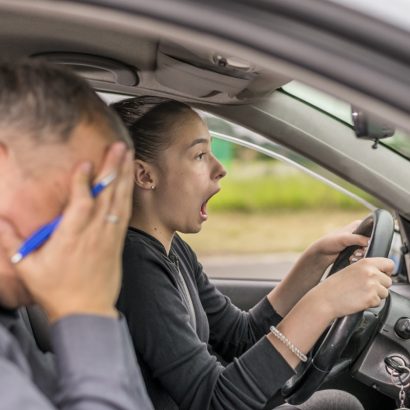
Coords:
pixel 188 176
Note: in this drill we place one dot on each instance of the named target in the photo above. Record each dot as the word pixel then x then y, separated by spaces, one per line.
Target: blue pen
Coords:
pixel 42 234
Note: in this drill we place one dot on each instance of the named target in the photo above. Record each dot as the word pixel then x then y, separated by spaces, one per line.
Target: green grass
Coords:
pixel 288 191
pixel 238 233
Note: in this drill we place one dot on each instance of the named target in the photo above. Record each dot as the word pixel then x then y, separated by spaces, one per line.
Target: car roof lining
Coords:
pixel 162 66
pixel 111 18
pixel 73 27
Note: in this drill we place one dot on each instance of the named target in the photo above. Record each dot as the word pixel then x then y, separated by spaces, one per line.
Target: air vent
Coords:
pixel 95 68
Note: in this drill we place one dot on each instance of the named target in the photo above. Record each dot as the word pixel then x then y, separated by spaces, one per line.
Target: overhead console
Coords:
pixel 205 73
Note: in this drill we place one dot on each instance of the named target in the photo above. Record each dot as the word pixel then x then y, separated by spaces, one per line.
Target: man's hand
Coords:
pixel 79 269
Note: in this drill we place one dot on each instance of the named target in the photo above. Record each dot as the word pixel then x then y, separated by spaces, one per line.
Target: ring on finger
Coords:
pixel 112 218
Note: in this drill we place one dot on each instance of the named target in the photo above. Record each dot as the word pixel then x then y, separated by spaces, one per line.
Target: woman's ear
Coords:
pixel 144 175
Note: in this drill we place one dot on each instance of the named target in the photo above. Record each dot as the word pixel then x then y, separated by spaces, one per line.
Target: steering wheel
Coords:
pixel 379 227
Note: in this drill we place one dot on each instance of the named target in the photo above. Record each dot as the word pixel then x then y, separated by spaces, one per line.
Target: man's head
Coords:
pixel 50 120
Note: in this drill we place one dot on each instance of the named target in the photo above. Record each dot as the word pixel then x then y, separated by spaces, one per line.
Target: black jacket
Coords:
pixel 176 335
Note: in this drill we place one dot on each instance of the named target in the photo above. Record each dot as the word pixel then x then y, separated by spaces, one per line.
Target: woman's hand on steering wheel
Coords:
pixel 357 287
pixel 327 248
pixel 345 294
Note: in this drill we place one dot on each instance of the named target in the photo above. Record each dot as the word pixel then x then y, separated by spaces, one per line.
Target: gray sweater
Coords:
pixel 93 367
pixel 182 340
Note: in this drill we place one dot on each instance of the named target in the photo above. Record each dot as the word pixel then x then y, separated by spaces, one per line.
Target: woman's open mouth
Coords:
pixel 203 212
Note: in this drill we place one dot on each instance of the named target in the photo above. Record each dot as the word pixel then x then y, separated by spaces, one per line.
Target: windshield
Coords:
pixel 340 110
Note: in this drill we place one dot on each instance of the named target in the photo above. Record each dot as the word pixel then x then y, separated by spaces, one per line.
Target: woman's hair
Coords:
pixel 151 122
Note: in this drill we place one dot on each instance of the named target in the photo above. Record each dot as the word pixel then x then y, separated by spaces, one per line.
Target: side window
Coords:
pixel 268 210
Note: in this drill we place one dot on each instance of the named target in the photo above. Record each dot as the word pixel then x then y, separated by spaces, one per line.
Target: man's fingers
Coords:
pixel 113 164
pixel 113 159
pixel 81 204
pixel 122 199
pixel 9 240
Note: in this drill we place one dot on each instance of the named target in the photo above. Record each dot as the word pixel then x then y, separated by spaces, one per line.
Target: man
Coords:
pixel 56 138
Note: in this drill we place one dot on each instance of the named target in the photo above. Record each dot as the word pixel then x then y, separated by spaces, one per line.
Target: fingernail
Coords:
pixel 353 260
pixel 120 146
pixel 109 178
pixel 86 167
pixel 358 253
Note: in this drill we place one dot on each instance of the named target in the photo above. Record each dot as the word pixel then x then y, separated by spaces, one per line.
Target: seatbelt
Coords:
pixel 39 326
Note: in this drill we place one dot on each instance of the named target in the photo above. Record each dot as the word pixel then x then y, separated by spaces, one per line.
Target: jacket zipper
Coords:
pixel 185 293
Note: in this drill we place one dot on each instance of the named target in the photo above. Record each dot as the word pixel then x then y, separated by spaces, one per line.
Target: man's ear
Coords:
pixel 144 175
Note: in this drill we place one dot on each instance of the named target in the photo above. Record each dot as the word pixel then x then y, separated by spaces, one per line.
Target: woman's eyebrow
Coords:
pixel 198 141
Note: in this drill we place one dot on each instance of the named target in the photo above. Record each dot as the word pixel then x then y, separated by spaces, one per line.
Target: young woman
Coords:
pixel 183 328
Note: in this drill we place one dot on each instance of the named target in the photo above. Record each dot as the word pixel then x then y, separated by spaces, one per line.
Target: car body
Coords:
pixel 236 60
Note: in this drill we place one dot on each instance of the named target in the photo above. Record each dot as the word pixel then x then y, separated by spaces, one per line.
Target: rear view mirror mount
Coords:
pixel 367 127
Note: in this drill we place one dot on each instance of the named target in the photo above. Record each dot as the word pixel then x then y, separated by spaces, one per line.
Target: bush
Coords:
pixel 292 191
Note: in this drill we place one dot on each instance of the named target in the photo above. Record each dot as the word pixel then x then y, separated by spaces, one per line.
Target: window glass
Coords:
pixel 325 102
pixel 273 203
pixel 268 210
pixel 399 142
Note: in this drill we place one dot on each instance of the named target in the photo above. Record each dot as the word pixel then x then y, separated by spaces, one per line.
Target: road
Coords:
pixel 265 266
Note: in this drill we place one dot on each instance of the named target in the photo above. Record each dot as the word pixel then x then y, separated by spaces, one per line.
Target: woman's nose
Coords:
pixel 219 171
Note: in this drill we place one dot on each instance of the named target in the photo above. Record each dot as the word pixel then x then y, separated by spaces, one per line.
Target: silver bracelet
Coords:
pixel 301 356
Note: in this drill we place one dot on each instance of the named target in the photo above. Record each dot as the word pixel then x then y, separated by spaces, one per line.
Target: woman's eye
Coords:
pixel 201 155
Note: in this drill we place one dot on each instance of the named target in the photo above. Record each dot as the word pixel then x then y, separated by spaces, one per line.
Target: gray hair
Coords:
pixel 47 101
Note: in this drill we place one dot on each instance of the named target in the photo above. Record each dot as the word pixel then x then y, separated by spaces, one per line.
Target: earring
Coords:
pixel 152 187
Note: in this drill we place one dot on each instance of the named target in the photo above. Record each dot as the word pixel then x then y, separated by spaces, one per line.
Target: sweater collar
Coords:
pixel 154 241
